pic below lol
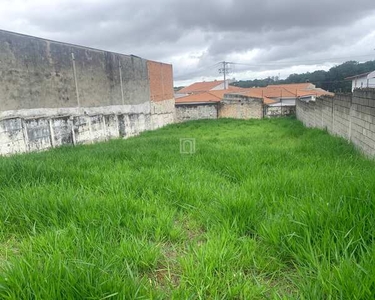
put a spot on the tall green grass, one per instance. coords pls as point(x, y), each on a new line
point(263, 209)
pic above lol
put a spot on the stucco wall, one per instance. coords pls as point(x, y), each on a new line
point(363, 82)
point(232, 106)
point(188, 112)
point(351, 116)
point(279, 111)
point(162, 113)
point(38, 73)
point(241, 107)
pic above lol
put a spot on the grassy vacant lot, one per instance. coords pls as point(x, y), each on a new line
point(264, 209)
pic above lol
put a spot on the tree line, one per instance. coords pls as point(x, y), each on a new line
point(332, 80)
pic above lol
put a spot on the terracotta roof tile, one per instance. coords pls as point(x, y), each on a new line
point(302, 89)
point(256, 93)
point(270, 94)
point(199, 98)
point(315, 92)
point(230, 89)
point(199, 87)
point(289, 90)
point(210, 96)
point(294, 86)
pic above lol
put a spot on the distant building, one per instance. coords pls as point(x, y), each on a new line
point(364, 80)
point(273, 95)
point(204, 99)
point(286, 94)
point(201, 100)
point(206, 96)
point(281, 99)
point(201, 87)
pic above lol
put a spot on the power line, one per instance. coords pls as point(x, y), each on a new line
point(225, 70)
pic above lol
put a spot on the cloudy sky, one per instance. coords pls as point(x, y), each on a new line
point(265, 37)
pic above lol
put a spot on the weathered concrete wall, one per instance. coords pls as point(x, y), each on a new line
point(232, 106)
point(52, 94)
point(241, 107)
point(61, 127)
point(162, 113)
point(12, 136)
point(187, 112)
point(351, 116)
point(279, 111)
point(37, 73)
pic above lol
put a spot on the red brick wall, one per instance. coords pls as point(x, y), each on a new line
point(161, 81)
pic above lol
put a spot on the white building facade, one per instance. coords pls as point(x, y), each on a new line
point(366, 80)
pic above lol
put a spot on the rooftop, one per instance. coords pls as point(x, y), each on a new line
point(208, 96)
point(204, 97)
point(270, 94)
point(200, 87)
point(360, 75)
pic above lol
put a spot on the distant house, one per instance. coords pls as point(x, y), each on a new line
point(206, 96)
point(364, 80)
point(286, 94)
point(203, 99)
point(201, 87)
point(274, 95)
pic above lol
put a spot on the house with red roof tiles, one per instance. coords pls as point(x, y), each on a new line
point(202, 97)
point(201, 87)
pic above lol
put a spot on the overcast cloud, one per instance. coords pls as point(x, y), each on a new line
point(270, 36)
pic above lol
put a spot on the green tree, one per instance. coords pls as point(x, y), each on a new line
point(332, 80)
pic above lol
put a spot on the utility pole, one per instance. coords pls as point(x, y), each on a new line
point(225, 70)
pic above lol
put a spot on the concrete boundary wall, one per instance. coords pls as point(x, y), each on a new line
point(198, 111)
point(351, 116)
point(38, 73)
point(53, 94)
point(162, 113)
point(232, 106)
point(26, 134)
point(241, 107)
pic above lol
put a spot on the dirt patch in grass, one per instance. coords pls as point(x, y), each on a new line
point(166, 276)
point(8, 249)
point(168, 273)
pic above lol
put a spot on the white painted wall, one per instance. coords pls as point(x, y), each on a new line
point(284, 102)
point(221, 86)
point(364, 81)
point(218, 87)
